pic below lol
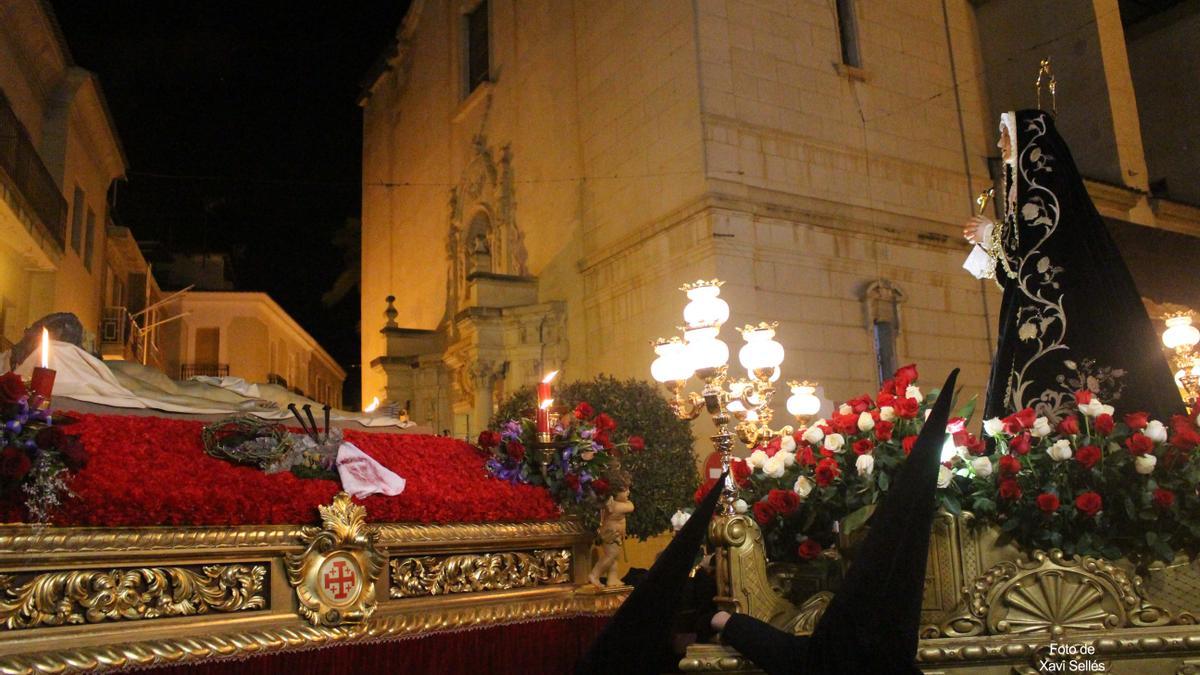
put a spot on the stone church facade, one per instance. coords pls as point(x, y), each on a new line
point(540, 176)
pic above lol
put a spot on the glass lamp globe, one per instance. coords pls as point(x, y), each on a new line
point(1180, 332)
point(706, 353)
point(761, 354)
point(706, 307)
point(803, 402)
point(672, 362)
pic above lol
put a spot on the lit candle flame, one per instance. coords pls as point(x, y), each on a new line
point(550, 377)
point(373, 405)
point(45, 348)
point(545, 405)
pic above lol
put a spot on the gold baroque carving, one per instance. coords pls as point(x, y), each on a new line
point(168, 651)
point(1052, 594)
point(94, 596)
point(470, 572)
point(810, 613)
point(335, 576)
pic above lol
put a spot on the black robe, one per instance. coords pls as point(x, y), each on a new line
point(1071, 318)
point(870, 626)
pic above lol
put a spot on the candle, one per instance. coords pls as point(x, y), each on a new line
point(544, 401)
point(42, 383)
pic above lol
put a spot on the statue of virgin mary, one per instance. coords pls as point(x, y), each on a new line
point(1071, 318)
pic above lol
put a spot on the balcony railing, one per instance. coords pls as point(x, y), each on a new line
point(189, 370)
point(23, 168)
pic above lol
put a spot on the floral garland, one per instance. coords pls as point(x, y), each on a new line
point(1089, 485)
point(37, 458)
point(576, 471)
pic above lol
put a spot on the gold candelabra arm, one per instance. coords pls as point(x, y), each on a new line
point(687, 407)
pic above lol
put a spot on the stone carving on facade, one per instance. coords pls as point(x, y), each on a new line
point(483, 223)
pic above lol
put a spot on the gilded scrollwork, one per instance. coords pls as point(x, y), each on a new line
point(95, 596)
point(471, 572)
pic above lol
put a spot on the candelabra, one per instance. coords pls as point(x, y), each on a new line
point(1182, 337)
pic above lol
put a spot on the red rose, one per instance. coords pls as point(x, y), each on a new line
point(637, 443)
point(741, 472)
point(809, 549)
point(1181, 423)
point(488, 439)
point(1019, 421)
point(907, 373)
point(1185, 439)
point(515, 450)
point(826, 472)
point(862, 446)
point(1021, 444)
point(847, 425)
point(966, 439)
point(584, 411)
point(1137, 421)
point(783, 501)
point(1087, 456)
point(600, 486)
point(763, 512)
point(1089, 503)
point(1163, 499)
point(704, 488)
point(1010, 490)
point(1069, 425)
point(773, 446)
point(603, 439)
point(1139, 444)
point(12, 388)
point(804, 455)
point(572, 481)
point(1009, 465)
point(1048, 502)
point(860, 404)
point(908, 443)
point(73, 454)
point(604, 423)
point(14, 464)
point(1104, 424)
point(883, 430)
point(907, 408)
point(1082, 397)
point(885, 399)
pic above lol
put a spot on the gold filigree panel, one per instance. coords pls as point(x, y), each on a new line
point(472, 572)
point(95, 596)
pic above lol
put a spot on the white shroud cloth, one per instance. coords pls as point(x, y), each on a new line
point(362, 476)
point(83, 377)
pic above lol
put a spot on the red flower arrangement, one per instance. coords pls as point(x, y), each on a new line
point(154, 471)
point(36, 457)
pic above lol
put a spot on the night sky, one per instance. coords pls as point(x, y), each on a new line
point(242, 132)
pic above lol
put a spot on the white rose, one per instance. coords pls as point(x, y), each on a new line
point(803, 486)
point(813, 434)
point(1041, 428)
point(913, 392)
point(865, 421)
point(865, 464)
point(740, 506)
point(944, 476)
point(1094, 408)
point(982, 466)
point(787, 443)
point(757, 459)
point(679, 519)
point(1060, 451)
point(1155, 431)
point(774, 466)
point(789, 458)
point(993, 427)
point(834, 442)
point(1144, 464)
point(845, 409)
point(887, 413)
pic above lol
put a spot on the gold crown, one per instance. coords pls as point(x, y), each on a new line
point(700, 283)
point(762, 325)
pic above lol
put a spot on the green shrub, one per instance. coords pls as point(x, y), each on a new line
point(664, 474)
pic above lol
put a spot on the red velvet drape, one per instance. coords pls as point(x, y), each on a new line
point(550, 646)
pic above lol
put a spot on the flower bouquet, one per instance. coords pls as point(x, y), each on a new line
point(36, 457)
point(575, 469)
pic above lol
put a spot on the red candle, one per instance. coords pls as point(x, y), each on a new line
point(42, 384)
point(543, 403)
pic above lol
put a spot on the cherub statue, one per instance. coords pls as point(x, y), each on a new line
point(611, 534)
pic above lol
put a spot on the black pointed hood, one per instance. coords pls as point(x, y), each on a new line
point(638, 638)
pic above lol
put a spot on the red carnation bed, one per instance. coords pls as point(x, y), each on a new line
point(153, 471)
